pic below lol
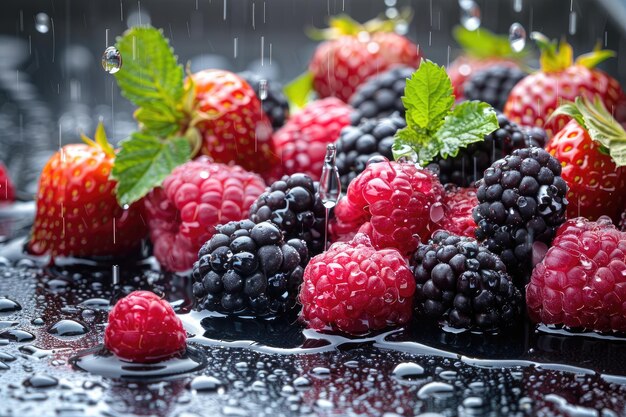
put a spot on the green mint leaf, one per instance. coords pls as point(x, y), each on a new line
point(482, 43)
point(299, 90)
point(156, 122)
point(469, 122)
point(412, 144)
point(143, 162)
point(427, 96)
point(151, 77)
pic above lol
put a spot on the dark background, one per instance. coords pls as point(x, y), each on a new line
point(52, 84)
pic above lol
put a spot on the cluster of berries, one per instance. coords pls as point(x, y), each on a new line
point(454, 242)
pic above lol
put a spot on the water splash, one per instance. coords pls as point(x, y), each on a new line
point(517, 37)
point(111, 60)
point(470, 14)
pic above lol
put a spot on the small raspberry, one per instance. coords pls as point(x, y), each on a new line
point(194, 198)
point(144, 328)
point(354, 288)
point(403, 204)
point(301, 143)
point(581, 282)
point(459, 203)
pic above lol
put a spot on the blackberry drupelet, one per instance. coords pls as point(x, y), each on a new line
point(470, 163)
point(294, 206)
point(247, 268)
point(274, 104)
point(381, 95)
point(357, 144)
point(521, 204)
point(493, 84)
point(462, 284)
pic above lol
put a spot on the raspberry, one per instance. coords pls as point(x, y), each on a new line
point(358, 144)
point(381, 95)
point(301, 143)
point(194, 198)
point(144, 328)
point(461, 283)
point(7, 191)
point(459, 203)
point(354, 288)
point(522, 203)
point(248, 268)
point(581, 282)
point(401, 202)
point(295, 207)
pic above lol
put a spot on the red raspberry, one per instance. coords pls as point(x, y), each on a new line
point(301, 143)
point(403, 204)
point(144, 328)
point(460, 203)
point(194, 198)
point(7, 191)
point(581, 282)
point(354, 288)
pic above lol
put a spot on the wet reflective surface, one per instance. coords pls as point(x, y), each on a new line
point(52, 361)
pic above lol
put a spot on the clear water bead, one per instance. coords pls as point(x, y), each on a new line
point(42, 22)
point(330, 186)
point(111, 60)
point(263, 89)
point(517, 6)
point(470, 14)
point(517, 37)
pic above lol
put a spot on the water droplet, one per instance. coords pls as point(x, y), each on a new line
point(41, 381)
point(68, 328)
point(408, 371)
point(42, 22)
point(470, 14)
point(435, 389)
point(37, 321)
point(205, 383)
point(572, 22)
point(96, 304)
point(17, 335)
point(5, 357)
point(321, 372)
point(330, 187)
point(111, 60)
point(9, 306)
point(323, 403)
point(517, 37)
point(436, 212)
point(448, 375)
point(301, 383)
point(263, 89)
point(522, 202)
point(517, 6)
point(34, 351)
point(5, 324)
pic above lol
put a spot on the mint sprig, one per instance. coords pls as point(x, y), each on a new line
point(144, 161)
point(433, 126)
point(482, 43)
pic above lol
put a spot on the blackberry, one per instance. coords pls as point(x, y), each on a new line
point(521, 204)
point(462, 284)
point(275, 105)
point(294, 206)
point(381, 95)
point(357, 144)
point(493, 85)
point(470, 163)
point(247, 268)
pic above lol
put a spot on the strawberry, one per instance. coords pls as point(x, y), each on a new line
point(7, 190)
point(354, 53)
point(594, 174)
point(234, 127)
point(481, 49)
point(77, 213)
point(301, 143)
point(532, 100)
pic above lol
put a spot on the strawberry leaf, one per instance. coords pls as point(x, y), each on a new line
point(151, 78)
point(299, 90)
point(427, 96)
point(469, 122)
point(144, 161)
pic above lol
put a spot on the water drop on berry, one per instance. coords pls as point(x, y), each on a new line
point(111, 60)
point(470, 14)
point(517, 37)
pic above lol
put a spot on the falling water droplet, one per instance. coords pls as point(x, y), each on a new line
point(517, 6)
point(263, 89)
point(330, 187)
point(115, 275)
point(111, 60)
point(517, 37)
point(42, 23)
point(572, 22)
point(470, 14)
